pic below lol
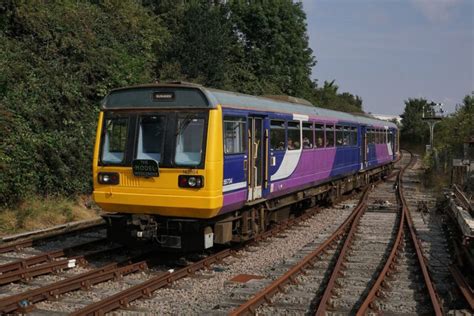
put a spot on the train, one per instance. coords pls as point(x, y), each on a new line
point(182, 167)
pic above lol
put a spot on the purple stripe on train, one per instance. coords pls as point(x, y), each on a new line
point(314, 166)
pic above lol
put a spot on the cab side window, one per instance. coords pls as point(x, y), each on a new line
point(234, 135)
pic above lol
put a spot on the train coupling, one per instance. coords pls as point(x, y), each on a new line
point(163, 233)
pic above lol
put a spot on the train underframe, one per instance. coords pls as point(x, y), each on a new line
point(192, 235)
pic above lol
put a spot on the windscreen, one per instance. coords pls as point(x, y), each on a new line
point(151, 137)
point(115, 140)
point(189, 141)
point(173, 139)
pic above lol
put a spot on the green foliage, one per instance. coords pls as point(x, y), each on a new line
point(275, 44)
point(201, 48)
point(39, 213)
point(456, 129)
point(414, 130)
point(329, 97)
point(258, 47)
point(58, 60)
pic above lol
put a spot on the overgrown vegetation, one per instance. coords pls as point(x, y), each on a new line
point(449, 136)
point(59, 59)
point(36, 213)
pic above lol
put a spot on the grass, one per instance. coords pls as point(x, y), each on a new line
point(36, 213)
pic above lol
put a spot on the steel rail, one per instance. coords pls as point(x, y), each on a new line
point(17, 242)
point(435, 301)
point(24, 302)
point(462, 199)
point(390, 262)
point(405, 221)
point(463, 285)
point(49, 267)
point(122, 299)
point(45, 257)
point(46, 268)
point(14, 246)
point(337, 269)
point(265, 294)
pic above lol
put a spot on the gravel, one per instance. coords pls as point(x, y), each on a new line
point(211, 291)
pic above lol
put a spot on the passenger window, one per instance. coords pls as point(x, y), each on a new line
point(277, 135)
point(115, 140)
point(293, 136)
point(189, 141)
point(339, 136)
point(329, 135)
point(234, 135)
point(319, 132)
point(151, 137)
point(308, 135)
point(347, 136)
point(354, 136)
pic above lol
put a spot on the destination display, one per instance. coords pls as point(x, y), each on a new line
point(145, 168)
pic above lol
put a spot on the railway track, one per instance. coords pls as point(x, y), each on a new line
point(139, 287)
point(43, 236)
point(374, 210)
point(374, 254)
point(27, 264)
point(125, 298)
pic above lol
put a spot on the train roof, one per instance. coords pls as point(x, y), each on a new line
point(187, 95)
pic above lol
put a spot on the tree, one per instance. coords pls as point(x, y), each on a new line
point(456, 129)
point(328, 97)
point(201, 48)
point(275, 44)
point(414, 129)
point(57, 61)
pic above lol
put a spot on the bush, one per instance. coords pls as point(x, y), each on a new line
point(57, 61)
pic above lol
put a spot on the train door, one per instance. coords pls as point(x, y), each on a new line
point(391, 142)
point(363, 147)
point(257, 157)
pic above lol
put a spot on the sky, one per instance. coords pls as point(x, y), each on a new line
point(387, 51)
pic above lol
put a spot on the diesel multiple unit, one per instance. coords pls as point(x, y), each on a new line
point(184, 167)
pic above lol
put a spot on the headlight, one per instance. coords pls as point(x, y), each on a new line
point(108, 178)
point(190, 181)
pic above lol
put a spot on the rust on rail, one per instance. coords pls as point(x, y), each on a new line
point(23, 302)
point(122, 299)
point(264, 295)
point(328, 291)
point(463, 285)
point(45, 257)
point(405, 221)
